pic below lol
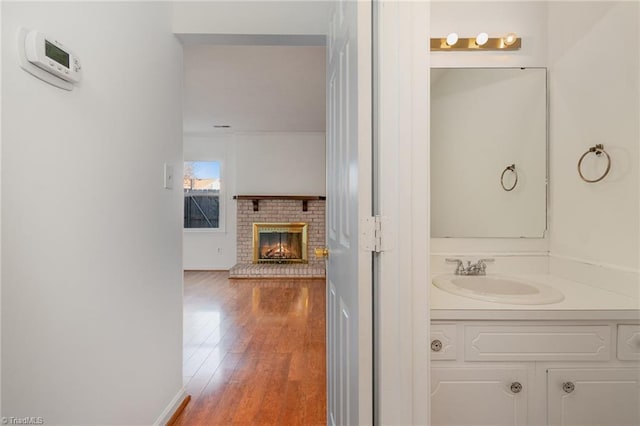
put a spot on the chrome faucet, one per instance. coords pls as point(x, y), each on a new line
point(478, 268)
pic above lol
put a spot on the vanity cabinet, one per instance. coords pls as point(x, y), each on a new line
point(535, 373)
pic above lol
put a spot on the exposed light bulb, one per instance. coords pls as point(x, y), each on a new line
point(509, 39)
point(452, 39)
point(482, 39)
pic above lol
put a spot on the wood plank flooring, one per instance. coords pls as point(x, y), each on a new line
point(254, 351)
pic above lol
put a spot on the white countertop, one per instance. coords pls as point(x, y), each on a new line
point(581, 302)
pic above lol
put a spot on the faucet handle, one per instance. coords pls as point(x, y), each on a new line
point(460, 270)
point(482, 265)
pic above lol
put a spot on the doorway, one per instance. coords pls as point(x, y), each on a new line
point(255, 346)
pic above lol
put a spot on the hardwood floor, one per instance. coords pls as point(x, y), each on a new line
point(254, 351)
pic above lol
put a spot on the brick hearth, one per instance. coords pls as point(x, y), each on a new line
point(279, 211)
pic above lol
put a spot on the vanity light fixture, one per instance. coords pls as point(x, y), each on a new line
point(509, 39)
point(481, 42)
point(452, 39)
point(482, 39)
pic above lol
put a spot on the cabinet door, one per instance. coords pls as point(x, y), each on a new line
point(588, 397)
point(478, 396)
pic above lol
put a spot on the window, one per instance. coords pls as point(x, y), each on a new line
point(202, 207)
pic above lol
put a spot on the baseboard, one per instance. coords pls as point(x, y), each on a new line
point(174, 409)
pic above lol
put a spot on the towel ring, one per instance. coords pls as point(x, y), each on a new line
point(598, 150)
point(511, 168)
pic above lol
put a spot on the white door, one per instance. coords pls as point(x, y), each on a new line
point(585, 397)
point(349, 187)
point(479, 396)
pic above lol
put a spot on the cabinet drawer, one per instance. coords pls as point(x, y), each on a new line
point(443, 342)
point(537, 343)
point(628, 342)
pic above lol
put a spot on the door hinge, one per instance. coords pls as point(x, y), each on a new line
point(372, 234)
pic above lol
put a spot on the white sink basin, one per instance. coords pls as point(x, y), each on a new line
point(498, 288)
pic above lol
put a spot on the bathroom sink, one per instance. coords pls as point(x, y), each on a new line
point(498, 288)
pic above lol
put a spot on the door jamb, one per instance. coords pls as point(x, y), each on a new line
point(402, 271)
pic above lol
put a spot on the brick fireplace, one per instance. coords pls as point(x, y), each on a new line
point(275, 212)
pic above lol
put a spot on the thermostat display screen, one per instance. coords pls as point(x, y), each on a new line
point(55, 53)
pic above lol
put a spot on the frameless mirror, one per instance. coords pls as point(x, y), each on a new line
point(488, 152)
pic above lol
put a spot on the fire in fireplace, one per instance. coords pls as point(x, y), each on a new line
point(280, 242)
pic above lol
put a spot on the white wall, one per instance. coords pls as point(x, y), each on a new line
point(254, 163)
point(251, 17)
point(594, 99)
point(281, 163)
point(528, 19)
point(91, 277)
point(254, 88)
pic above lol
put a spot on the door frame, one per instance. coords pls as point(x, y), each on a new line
point(401, 176)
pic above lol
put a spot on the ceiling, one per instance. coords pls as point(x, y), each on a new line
point(254, 88)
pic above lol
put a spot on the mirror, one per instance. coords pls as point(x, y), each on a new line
point(488, 152)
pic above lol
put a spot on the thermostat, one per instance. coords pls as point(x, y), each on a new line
point(52, 57)
point(48, 59)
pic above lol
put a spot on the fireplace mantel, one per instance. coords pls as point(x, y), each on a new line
point(255, 199)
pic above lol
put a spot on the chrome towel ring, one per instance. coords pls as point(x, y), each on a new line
point(511, 168)
point(598, 150)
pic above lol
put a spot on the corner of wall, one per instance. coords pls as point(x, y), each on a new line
point(594, 224)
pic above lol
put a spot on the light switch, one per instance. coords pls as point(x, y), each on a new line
point(168, 176)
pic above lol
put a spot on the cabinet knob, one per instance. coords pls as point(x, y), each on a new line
point(568, 387)
point(436, 345)
point(516, 387)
